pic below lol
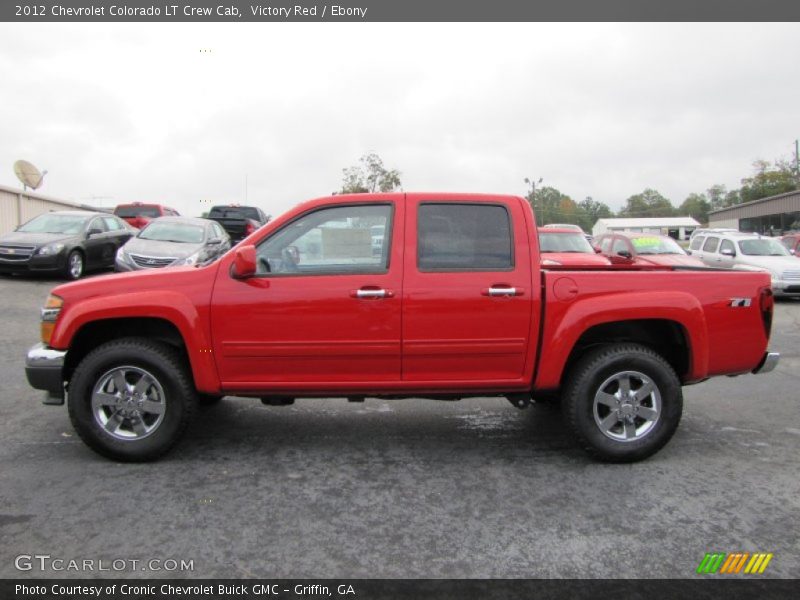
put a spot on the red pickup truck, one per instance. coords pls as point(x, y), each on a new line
point(453, 304)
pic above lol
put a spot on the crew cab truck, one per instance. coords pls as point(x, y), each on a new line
point(454, 304)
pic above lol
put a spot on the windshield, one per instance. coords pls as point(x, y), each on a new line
point(234, 212)
point(564, 242)
point(172, 232)
point(130, 212)
point(656, 245)
point(763, 247)
point(50, 223)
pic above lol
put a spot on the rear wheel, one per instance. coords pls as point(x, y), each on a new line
point(623, 402)
point(131, 399)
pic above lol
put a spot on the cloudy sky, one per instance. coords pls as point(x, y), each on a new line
point(188, 115)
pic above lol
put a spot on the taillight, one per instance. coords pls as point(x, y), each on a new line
point(249, 228)
point(767, 303)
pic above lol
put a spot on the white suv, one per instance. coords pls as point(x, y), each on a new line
point(750, 251)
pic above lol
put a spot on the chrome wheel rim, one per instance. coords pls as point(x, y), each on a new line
point(75, 265)
point(627, 406)
point(128, 403)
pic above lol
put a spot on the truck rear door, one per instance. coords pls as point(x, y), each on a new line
point(467, 290)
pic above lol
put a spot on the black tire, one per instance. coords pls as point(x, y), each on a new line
point(167, 390)
point(635, 428)
point(76, 265)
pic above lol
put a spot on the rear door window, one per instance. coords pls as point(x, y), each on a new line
point(711, 244)
point(727, 245)
point(464, 237)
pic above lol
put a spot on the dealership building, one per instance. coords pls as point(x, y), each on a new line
point(18, 206)
point(772, 215)
point(679, 228)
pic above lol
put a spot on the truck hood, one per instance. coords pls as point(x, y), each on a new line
point(158, 248)
point(169, 278)
point(576, 259)
point(671, 260)
point(775, 264)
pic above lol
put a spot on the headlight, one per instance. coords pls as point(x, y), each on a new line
point(121, 256)
point(50, 249)
point(190, 260)
point(50, 313)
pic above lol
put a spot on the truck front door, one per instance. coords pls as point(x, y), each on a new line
point(322, 311)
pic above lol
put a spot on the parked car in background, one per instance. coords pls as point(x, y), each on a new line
point(570, 226)
point(792, 243)
point(706, 231)
point(238, 221)
point(174, 241)
point(645, 249)
point(567, 247)
point(140, 214)
point(751, 251)
point(63, 242)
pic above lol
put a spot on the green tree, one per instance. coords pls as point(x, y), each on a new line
point(716, 196)
point(697, 207)
point(551, 206)
point(647, 204)
point(590, 210)
point(768, 180)
point(370, 176)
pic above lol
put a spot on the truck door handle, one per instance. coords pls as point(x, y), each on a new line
point(364, 293)
point(503, 291)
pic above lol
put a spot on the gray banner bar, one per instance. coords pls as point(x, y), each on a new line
point(397, 10)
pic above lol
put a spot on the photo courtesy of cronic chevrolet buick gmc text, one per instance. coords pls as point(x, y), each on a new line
point(453, 303)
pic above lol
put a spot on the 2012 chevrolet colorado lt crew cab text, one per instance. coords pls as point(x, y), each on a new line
point(454, 304)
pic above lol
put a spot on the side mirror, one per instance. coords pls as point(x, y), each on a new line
point(598, 250)
point(793, 251)
point(727, 252)
point(244, 262)
point(93, 232)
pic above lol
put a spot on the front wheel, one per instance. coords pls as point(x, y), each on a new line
point(131, 399)
point(623, 402)
point(75, 265)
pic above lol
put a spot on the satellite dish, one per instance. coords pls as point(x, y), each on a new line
point(28, 174)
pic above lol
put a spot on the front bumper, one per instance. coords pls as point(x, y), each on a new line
point(44, 367)
point(785, 288)
point(768, 363)
point(35, 264)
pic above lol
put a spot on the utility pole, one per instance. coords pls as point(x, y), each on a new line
point(797, 162)
point(532, 196)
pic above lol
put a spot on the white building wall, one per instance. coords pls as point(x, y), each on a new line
point(723, 223)
point(17, 207)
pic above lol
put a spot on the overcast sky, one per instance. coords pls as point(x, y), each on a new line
point(120, 113)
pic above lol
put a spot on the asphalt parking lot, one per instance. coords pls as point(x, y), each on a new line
point(407, 488)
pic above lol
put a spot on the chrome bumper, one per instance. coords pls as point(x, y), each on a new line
point(43, 368)
point(769, 362)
